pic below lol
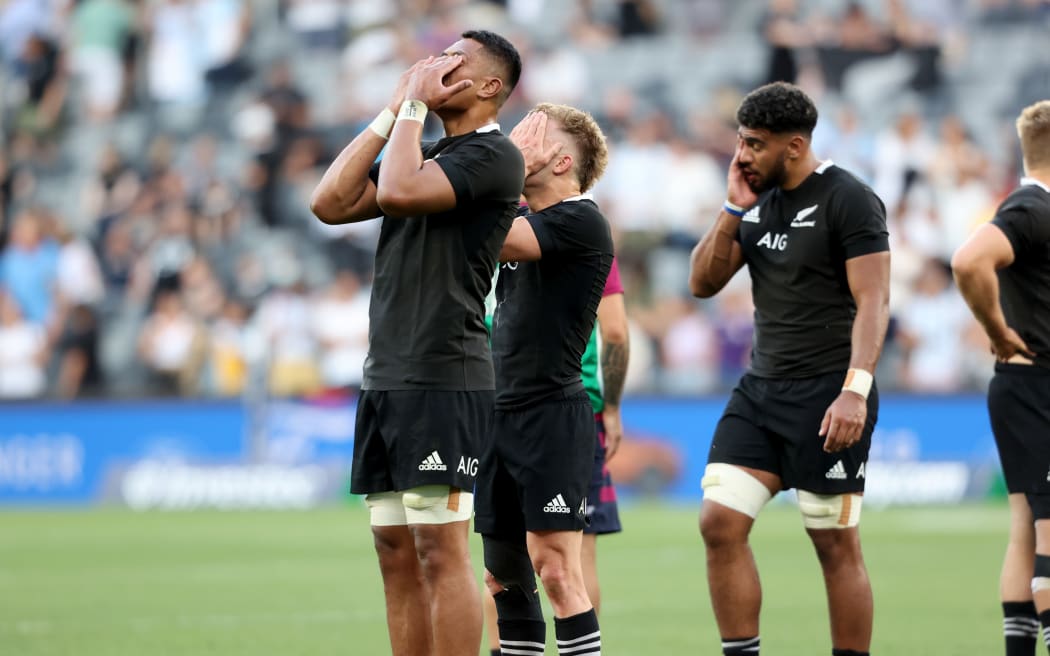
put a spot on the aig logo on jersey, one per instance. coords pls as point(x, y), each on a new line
point(774, 241)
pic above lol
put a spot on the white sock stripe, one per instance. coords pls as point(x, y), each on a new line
point(1022, 634)
point(739, 643)
point(1021, 623)
point(589, 636)
point(522, 643)
point(581, 649)
point(521, 652)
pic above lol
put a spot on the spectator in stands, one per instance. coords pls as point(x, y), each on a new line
point(100, 30)
point(226, 26)
point(28, 267)
point(901, 151)
point(637, 18)
point(786, 33)
point(79, 371)
point(846, 142)
point(109, 192)
point(234, 348)
point(41, 68)
point(340, 323)
point(172, 346)
point(176, 61)
point(689, 349)
point(930, 328)
point(283, 321)
point(318, 24)
point(23, 353)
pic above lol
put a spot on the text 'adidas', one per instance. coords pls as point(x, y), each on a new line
point(433, 462)
point(557, 505)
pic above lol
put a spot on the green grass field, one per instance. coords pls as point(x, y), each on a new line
point(116, 583)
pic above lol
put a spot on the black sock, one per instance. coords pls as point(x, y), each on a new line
point(1020, 627)
point(495, 652)
point(740, 646)
point(1044, 619)
point(523, 636)
point(578, 635)
point(849, 652)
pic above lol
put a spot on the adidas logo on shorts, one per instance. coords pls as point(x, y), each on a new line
point(557, 505)
point(837, 471)
point(433, 463)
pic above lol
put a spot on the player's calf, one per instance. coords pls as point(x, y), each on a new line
point(511, 580)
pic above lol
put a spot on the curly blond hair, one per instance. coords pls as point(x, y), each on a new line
point(1033, 128)
point(590, 141)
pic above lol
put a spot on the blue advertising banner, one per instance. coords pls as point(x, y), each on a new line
point(175, 454)
point(60, 453)
point(925, 448)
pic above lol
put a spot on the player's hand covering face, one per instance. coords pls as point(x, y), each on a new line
point(431, 81)
point(760, 159)
point(738, 189)
point(530, 136)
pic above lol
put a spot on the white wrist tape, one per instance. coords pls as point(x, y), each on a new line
point(859, 381)
point(413, 110)
point(383, 124)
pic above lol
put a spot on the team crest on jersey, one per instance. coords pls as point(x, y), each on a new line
point(751, 216)
point(799, 220)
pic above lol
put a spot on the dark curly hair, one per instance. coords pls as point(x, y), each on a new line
point(778, 107)
point(504, 53)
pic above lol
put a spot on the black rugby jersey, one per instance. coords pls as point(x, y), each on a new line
point(1024, 286)
point(545, 310)
point(427, 313)
point(796, 243)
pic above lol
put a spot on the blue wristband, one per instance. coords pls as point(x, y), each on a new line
point(735, 210)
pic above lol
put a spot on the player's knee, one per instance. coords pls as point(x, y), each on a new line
point(1041, 578)
point(507, 563)
point(518, 603)
point(437, 504)
point(395, 549)
point(511, 580)
point(492, 584)
point(717, 528)
point(734, 488)
point(554, 573)
point(829, 511)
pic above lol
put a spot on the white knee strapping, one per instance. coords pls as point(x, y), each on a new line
point(1039, 584)
point(829, 510)
point(428, 504)
point(437, 504)
point(734, 488)
point(386, 509)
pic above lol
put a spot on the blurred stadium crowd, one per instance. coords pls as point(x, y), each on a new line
point(157, 157)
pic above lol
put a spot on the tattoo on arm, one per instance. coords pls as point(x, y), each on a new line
point(614, 371)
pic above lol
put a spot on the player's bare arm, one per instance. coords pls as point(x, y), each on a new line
point(718, 257)
point(974, 267)
point(408, 185)
point(869, 283)
point(521, 244)
point(346, 194)
point(615, 352)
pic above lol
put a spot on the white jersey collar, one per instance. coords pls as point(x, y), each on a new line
point(824, 166)
point(586, 196)
point(488, 127)
point(1032, 182)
